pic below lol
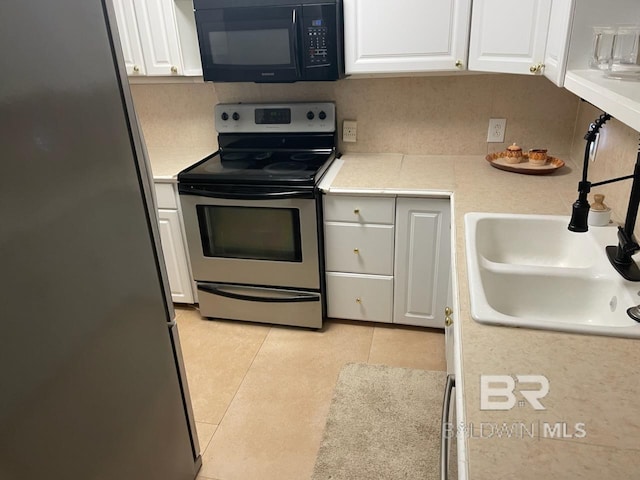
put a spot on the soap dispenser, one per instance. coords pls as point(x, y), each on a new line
point(599, 213)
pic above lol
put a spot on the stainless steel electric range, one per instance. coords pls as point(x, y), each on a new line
point(253, 213)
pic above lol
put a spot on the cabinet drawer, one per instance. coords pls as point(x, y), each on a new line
point(359, 248)
point(347, 208)
point(360, 297)
point(165, 195)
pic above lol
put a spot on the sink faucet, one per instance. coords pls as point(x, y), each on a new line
point(619, 255)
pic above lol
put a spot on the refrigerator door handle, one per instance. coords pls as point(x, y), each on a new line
point(224, 291)
point(444, 438)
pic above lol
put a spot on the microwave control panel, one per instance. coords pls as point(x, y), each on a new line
point(316, 43)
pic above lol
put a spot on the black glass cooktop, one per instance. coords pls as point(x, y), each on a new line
point(259, 167)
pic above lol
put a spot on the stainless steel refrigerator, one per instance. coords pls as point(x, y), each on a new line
point(92, 384)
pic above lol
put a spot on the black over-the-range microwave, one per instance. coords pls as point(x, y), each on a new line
point(270, 40)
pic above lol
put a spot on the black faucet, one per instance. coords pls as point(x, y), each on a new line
point(619, 255)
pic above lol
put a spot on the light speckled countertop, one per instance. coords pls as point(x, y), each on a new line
point(593, 380)
point(167, 162)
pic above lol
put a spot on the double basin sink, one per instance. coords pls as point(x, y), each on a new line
point(531, 271)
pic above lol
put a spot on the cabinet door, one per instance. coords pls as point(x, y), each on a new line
point(422, 261)
point(159, 37)
point(509, 36)
point(129, 37)
point(557, 50)
point(175, 256)
point(385, 36)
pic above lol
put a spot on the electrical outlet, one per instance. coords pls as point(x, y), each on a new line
point(497, 127)
point(349, 130)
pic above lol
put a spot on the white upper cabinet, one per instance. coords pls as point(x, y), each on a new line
point(158, 37)
point(129, 37)
point(396, 36)
point(509, 36)
point(555, 57)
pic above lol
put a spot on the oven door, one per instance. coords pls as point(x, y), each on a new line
point(266, 242)
point(249, 44)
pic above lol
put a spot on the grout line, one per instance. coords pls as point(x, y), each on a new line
point(209, 442)
point(241, 382)
point(373, 332)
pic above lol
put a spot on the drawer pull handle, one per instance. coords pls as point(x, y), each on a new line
point(356, 211)
point(358, 300)
point(356, 251)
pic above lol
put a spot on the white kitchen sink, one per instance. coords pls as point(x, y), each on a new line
point(531, 271)
point(531, 240)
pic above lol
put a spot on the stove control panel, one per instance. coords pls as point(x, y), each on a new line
point(267, 118)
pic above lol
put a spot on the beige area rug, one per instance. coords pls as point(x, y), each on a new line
point(383, 424)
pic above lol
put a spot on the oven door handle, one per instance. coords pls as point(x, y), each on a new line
point(249, 196)
point(298, 297)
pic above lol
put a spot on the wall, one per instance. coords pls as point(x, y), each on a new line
point(415, 115)
point(176, 115)
point(616, 157)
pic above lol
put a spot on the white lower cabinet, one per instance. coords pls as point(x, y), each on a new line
point(422, 263)
point(173, 246)
point(359, 248)
point(360, 297)
point(387, 258)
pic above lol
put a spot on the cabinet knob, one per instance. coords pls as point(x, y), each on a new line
point(358, 300)
point(448, 321)
point(447, 311)
point(356, 251)
point(459, 64)
point(136, 68)
point(536, 68)
point(356, 211)
point(174, 69)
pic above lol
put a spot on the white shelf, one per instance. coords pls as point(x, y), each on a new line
point(619, 98)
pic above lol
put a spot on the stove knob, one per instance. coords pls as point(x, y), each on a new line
point(224, 116)
point(235, 116)
point(322, 115)
point(310, 115)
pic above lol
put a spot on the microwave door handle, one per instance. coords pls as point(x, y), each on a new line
point(444, 433)
point(298, 297)
point(296, 48)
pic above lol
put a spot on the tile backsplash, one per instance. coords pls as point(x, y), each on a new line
point(412, 115)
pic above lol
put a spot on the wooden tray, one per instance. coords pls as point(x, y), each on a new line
point(497, 161)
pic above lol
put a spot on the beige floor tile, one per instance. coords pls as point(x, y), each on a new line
point(408, 347)
point(217, 355)
point(205, 433)
point(274, 425)
point(202, 477)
